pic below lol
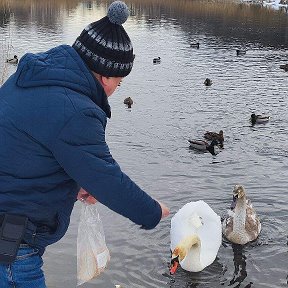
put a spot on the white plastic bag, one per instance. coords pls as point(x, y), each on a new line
point(92, 252)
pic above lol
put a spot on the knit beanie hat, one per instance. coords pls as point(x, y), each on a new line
point(105, 46)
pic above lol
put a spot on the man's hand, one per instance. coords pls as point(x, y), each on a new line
point(85, 197)
point(165, 210)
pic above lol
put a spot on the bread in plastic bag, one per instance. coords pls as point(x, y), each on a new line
point(92, 252)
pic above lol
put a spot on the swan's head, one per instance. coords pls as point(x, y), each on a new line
point(181, 250)
point(238, 193)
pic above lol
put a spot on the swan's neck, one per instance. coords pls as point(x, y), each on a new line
point(240, 214)
point(194, 249)
point(188, 244)
point(191, 260)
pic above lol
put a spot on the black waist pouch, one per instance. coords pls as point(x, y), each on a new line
point(12, 232)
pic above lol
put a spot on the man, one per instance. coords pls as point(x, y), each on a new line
point(53, 114)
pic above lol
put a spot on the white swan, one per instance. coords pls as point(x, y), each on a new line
point(242, 225)
point(195, 236)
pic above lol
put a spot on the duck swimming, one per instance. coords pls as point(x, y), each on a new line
point(128, 101)
point(208, 82)
point(195, 237)
point(195, 45)
point(13, 60)
point(204, 146)
point(156, 60)
point(240, 52)
point(284, 67)
point(215, 136)
point(259, 119)
point(242, 225)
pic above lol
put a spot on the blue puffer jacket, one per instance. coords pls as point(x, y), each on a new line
point(53, 114)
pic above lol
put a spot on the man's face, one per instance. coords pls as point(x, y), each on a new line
point(111, 83)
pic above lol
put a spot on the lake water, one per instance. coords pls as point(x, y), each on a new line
point(171, 105)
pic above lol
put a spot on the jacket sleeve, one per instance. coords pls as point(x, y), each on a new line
point(81, 150)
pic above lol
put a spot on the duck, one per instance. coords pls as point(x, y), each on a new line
point(13, 60)
point(241, 225)
point(284, 67)
point(208, 82)
point(128, 101)
point(196, 237)
point(204, 146)
point(259, 119)
point(156, 60)
point(195, 45)
point(240, 52)
point(215, 136)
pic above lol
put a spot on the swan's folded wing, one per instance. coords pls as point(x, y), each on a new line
point(252, 224)
point(227, 226)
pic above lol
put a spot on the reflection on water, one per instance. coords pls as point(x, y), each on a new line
point(171, 105)
point(231, 22)
point(239, 260)
point(223, 18)
point(43, 14)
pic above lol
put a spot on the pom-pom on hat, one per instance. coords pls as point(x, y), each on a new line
point(105, 46)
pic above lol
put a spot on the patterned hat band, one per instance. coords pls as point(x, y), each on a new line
point(101, 65)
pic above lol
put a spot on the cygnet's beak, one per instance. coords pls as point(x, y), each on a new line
point(174, 265)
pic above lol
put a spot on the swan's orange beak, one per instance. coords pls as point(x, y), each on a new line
point(174, 265)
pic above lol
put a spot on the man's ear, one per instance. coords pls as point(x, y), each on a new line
point(104, 80)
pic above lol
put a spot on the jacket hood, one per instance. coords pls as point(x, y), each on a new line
point(61, 66)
